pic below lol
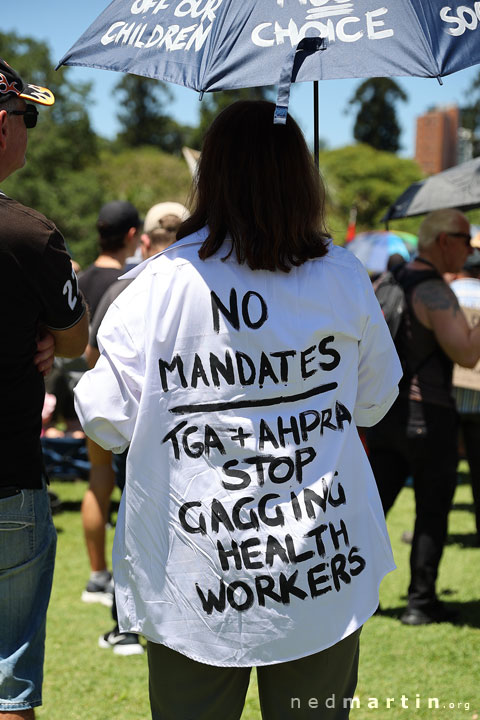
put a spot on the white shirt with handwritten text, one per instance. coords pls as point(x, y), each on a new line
point(250, 530)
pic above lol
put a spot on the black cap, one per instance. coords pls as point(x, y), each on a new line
point(117, 217)
point(11, 85)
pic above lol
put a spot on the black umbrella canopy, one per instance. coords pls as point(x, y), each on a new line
point(457, 187)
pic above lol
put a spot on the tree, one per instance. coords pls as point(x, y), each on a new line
point(142, 117)
point(59, 178)
point(471, 114)
point(369, 179)
point(376, 122)
point(144, 176)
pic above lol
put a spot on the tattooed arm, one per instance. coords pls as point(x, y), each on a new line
point(436, 307)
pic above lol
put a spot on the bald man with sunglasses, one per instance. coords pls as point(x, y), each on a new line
point(43, 314)
point(418, 436)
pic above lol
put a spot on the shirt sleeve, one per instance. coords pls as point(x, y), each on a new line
point(379, 369)
point(58, 286)
point(107, 398)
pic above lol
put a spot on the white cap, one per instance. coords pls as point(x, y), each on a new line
point(157, 212)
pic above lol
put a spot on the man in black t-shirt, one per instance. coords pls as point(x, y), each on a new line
point(118, 223)
point(43, 312)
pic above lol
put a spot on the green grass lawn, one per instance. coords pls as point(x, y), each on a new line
point(84, 682)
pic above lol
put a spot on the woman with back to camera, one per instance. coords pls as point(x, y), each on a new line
point(237, 366)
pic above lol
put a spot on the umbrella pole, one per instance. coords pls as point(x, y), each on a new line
point(316, 128)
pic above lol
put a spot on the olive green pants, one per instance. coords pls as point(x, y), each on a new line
point(312, 687)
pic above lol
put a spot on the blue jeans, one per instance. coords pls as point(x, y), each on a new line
point(27, 557)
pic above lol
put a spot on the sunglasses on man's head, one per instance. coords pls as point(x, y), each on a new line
point(30, 115)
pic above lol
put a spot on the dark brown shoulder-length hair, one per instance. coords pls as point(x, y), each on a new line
point(257, 182)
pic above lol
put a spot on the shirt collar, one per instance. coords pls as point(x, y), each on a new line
point(195, 239)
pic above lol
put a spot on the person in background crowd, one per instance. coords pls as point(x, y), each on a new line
point(42, 313)
point(395, 260)
point(236, 367)
point(466, 287)
point(419, 434)
point(159, 232)
point(117, 225)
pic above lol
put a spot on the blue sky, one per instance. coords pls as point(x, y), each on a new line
point(61, 22)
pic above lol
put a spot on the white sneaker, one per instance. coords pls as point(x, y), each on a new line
point(122, 643)
point(99, 592)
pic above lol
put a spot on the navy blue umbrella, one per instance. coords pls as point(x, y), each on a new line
point(212, 45)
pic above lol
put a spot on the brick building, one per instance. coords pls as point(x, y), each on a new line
point(437, 139)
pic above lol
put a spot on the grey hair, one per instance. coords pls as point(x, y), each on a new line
point(435, 223)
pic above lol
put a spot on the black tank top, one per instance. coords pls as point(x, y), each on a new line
point(427, 369)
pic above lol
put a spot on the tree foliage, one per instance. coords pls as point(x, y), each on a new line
point(59, 178)
point(367, 178)
point(144, 176)
point(143, 117)
point(471, 114)
point(376, 121)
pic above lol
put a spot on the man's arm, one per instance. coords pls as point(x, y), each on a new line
point(65, 315)
point(72, 342)
point(436, 306)
point(45, 354)
point(91, 355)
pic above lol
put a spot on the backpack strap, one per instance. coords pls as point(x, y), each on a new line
point(408, 281)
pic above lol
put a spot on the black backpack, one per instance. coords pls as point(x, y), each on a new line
point(391, 297)
point(390, 288)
